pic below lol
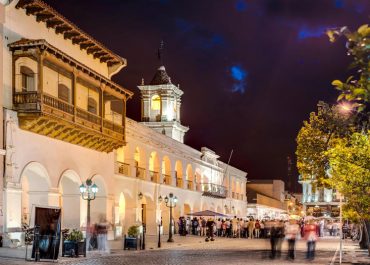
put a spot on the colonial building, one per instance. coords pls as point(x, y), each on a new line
point(65, 122)
point(318, 201)
point(266, 199)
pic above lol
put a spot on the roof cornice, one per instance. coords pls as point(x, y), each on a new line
point(43, 45)
point(61, 25)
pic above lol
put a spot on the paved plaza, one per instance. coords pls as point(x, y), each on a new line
point(193, 250)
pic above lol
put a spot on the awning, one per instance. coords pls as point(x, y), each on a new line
point(207, 213)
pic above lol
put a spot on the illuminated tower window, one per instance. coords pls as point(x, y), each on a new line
point(156, 102)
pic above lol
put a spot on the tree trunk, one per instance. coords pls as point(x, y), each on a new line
point(365, 235)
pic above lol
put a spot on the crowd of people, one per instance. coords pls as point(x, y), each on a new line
point(275, 230)
point(230, 227)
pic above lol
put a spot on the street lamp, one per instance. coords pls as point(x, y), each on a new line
point(160, 199)
point(140, 195)
point(88, 193)
point(170, 203)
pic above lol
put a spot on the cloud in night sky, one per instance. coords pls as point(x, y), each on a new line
point(311, 32)
point(357, 7)
point(198, 36)
point(239, 75)
point(241, 5)
point(339, 3)
point(184, 25)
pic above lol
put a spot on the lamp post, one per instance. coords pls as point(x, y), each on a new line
point(159, 224)
point(170, 203)
point(88, 193)
point(142, 221)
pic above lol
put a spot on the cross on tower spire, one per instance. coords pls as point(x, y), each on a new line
point(160, 53)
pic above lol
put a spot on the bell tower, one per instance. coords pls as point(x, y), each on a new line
point(160, 105)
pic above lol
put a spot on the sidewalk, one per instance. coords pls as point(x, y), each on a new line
point(151, 242)
point(352, 254)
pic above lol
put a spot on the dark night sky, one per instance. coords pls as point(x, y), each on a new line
point(251, 71)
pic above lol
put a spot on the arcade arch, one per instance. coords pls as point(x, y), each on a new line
point(166, 170)
point(35, 182)
point(70, 200)
point(178, 173)
point(154, 167)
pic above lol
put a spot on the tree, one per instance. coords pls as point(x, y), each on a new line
point(349, 162)
point(357, 87)
point(317, 136)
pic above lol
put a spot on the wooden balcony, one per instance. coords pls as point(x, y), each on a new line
point(214, 190)
point(190, 185)
point(123, 168)
point(179, 183)
point(44, 114)
point(166, 179)
point(154, 176)
point(140, 172)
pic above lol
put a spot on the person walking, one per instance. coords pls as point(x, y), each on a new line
point(291, 235)
point(274, 237)
point(311, 237)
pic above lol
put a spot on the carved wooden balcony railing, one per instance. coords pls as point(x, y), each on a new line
point(214, 190)
point(50, 116)
point(190, 185)
point(154, 176)
point(123, 168)
point(166, 179)
point(140, 172)
point(179, 182)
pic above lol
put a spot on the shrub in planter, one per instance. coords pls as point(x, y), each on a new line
point(130, 241)
point(73, 244)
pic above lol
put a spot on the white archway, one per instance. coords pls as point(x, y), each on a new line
point(99, 205)
point(35, 182)
point(70, 200)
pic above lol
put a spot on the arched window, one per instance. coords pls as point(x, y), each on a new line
point(156, 102)
point(92, 106)
point(28, 79)
point(63, 92)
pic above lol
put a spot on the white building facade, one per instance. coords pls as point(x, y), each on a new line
point(318, 201)
point(65, 122)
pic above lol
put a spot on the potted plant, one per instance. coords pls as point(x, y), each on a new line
point(130, 241)
point(73, 244)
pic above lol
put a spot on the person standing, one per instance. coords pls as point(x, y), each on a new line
point(257, 228)
point(251, 226)
point(321, 228)
point(330, 228)
point(210, 224)
point(219, 227)
point(234, 223)
point(203, 226)
point(228, 228)
point(262, 229)
point(246, 224)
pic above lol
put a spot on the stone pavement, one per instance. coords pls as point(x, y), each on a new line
point(194, 251)
point(352, 254)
